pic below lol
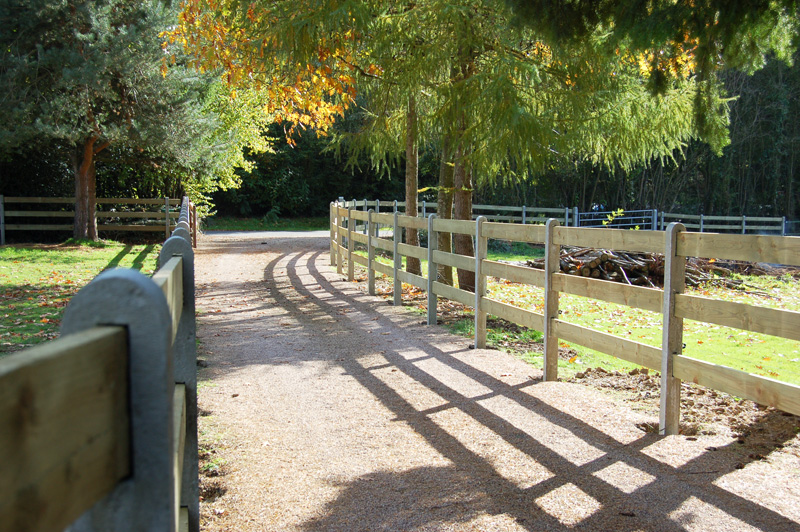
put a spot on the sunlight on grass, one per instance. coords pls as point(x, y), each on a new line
point(230, 223)
point(36, 282)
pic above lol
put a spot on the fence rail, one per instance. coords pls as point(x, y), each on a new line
point(98, 429)
point(675, 244)
point(120, 215)
point(648, 219)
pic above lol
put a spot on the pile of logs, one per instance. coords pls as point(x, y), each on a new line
point(643, 269)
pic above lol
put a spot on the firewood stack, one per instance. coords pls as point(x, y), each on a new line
point(642, 269)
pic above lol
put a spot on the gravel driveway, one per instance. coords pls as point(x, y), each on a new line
point(333, 411)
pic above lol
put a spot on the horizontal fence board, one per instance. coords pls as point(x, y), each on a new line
point(501, 217)
point(383, 268)
point(361, 238)
point(681, 216)
point(41, 227)
point(142, 201)
point(517, 233)
point(169, 278)
point(412, 222)
point(462, 262)
point(412, 251)
point(463, 227)
point(13, 199)
point(520, 316)
point(43, 214)
point(153, 215)
point(359, 215)
point(634, 352)
point(342, 230)
point(64, 428)
point(753, 248)
point(121, 227)
point(383, 219)
point(382, 243)
point(455, 294)
point(762, 390)
point(360, 259)
point(518, 274)
point(603, 238)
point(410, 278)
point(783, 323)
point(497, 208)
point(623, 294)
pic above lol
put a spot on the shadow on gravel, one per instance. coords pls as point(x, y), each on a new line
point(643, 493)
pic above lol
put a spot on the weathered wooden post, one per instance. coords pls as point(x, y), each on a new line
point(433, 270)
point(481, 245)
point(185, 368)
point(166, 218)
point(672, 337)
point(370, 253)
point(144, 501)
point(552, 253)
point(332, 230)
point(350, 243)
point(397, 263)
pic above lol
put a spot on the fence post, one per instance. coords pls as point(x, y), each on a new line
point(672, 337)
point(744, 224)
point(3, 222)
point(481, 244)
point(654, 225)
point(185, 371)
point(350, 223)
point(433, 271)
point(127, 298)
point(576, 220)
point(339, 240)
point(783, 219)
point(332, 221)
point(661, 224)
point(194, 225)
point(424, 215)
point(397, 287)
point(702, 223)
point(566, 216)
point(365, 210)
point(166, 215)
point(552, 253)
point(377, 211)
point(370, 253)
point(524, 215)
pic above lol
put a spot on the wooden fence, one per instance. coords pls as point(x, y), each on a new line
point(675, 243)
point(650, 219)
point(98, 429)
point(118, 214)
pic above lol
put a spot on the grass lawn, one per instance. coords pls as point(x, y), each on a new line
point(229, 223)
point(761, 354)
point(37, 281)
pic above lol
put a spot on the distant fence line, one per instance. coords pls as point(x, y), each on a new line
point(119, 211)
point(675, 243)
point(98, 428)
point(647, 219)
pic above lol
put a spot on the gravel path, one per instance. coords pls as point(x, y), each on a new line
point(333, 411)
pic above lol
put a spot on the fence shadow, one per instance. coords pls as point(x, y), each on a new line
point(551, 458)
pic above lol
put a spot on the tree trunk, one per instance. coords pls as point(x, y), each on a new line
point(412, 159)
point(85, 224)
point(91, 202)
point(462, 210)
point(445, 209)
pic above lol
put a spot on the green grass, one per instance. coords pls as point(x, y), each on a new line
point(228, 223)
point(760, 354)
point(36, 282)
